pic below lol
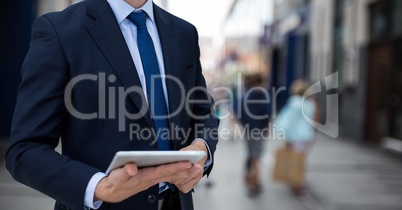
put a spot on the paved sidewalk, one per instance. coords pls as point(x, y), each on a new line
point(343, 176)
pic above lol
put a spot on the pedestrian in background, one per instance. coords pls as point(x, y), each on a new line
point(255, 112)
point(300, 134)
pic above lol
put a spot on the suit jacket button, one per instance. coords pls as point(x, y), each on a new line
point(151, 198)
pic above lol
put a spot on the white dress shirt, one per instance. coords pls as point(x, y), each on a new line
point(122, 9)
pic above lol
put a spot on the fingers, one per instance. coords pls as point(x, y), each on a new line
point(164, 173)
point(187, 186)
point(169, 169)
point(198, 145)
point(125, 173)
point(186, 182)
point(129, 180)
point(182, 177)
point(115, 187)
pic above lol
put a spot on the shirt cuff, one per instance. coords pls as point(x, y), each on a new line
point(90, 191)
point(209, 161)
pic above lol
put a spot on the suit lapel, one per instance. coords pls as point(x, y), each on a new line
point(107, 35)
point(170, 42)
point(106, 32)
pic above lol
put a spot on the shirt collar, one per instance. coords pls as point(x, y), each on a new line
point(122, 9)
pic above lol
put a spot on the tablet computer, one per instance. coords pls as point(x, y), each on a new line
point(153, 158)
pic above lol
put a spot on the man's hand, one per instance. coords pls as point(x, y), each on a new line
point(187, 179)
point(124, 182)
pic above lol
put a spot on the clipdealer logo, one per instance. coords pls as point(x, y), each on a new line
point(117, 94)
point(331, 125)
point(114, 95)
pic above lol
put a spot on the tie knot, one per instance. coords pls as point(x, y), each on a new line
point(138, 18)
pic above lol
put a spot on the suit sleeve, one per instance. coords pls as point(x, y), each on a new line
point(207, 123)
point(39, 120)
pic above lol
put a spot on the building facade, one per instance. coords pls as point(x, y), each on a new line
point(356, 40)
point(384, 74)
point(288, 40)
point(360, 39)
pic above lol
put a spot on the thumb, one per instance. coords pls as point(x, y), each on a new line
point(131, 169)
point(127, 171)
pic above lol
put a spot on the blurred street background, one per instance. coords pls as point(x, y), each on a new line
point(358, 42)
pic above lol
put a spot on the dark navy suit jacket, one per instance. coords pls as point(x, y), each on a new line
point(85, 39)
